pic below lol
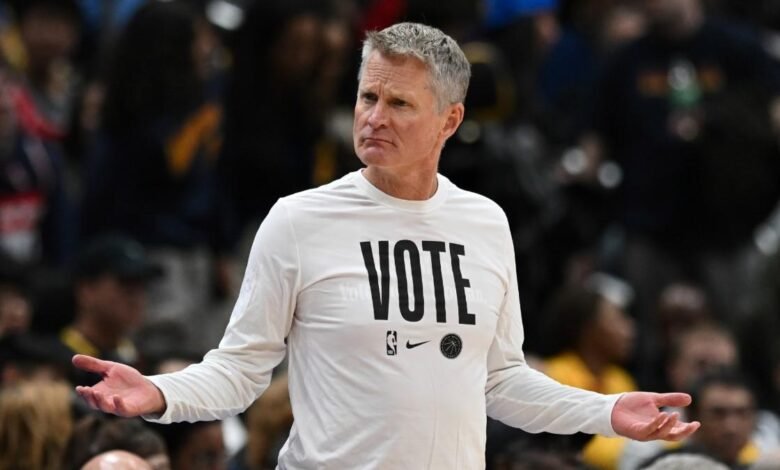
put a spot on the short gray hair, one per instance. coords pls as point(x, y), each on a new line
point(450, 70)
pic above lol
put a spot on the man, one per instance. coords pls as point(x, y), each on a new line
point(726, 406)
point(111, 275)
point(394, 294)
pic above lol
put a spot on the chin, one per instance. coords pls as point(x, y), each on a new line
point(373, 158)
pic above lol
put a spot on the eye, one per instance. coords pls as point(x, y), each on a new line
point(368, 97)
point(399, 103)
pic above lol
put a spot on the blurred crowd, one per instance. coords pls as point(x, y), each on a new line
point(633, 144)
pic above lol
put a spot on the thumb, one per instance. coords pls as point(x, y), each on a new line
point(90, 364)
point(672, 399)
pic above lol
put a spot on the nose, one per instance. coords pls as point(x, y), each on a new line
point(377, 116)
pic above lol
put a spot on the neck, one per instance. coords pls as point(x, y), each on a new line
point(102, 339)
point(418, 185)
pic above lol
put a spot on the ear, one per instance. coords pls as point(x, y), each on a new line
point(454, 116)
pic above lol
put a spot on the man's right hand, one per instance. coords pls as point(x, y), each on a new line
point(123, 391)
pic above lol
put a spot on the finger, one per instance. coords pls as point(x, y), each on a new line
point(86, 394)
point(90, 364)
point(666, 427)
point(646, 430)
point(105, 403)
point(120, 407)
point(672, 399)
point(683, 430)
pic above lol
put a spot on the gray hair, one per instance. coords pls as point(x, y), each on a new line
point(449, 69)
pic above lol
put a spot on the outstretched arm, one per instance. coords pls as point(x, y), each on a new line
point(232, 376)
point(123, 391)
point(636, 415)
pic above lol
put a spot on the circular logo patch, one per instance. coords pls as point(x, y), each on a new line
point(451, 345)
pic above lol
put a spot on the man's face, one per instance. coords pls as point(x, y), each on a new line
point(48, 36)
point(397, 125)
point(616, 330)
point(204, 450)
point(727, 416)
point(700, 354)
point(118, 304)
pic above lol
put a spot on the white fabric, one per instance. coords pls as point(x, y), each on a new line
point(355, 406)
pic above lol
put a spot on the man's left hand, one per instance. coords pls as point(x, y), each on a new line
point(636, 415)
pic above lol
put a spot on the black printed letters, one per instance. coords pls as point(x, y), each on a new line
point(407, 259)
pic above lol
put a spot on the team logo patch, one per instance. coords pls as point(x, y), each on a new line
point(451, 345)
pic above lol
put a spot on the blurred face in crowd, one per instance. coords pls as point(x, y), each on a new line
point(116, 304)
point(622, 24)
point(15, 312)
point(297, 49)
point(614, 331)
point(701, 352)
point(397, 125)
point(669, 14)
point(333, 58)
point(48, 36)
point(680, 307)
point(204, 450)
point(727, 416)
point(203, 47)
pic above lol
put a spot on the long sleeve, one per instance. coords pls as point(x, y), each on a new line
point(232, 376)
point(524, 398)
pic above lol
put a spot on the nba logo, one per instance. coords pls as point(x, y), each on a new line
point(392, 343)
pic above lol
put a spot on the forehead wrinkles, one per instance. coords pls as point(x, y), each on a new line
point(397, 74)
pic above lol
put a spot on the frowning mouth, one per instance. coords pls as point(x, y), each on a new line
point(369, 140)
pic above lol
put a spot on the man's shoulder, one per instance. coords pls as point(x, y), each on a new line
point(340, 189)
point(465, 200)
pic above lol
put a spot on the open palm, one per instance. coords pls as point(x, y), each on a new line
point(123, 391)
point(636, 415)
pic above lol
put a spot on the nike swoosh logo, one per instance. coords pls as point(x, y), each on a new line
point(414, 345)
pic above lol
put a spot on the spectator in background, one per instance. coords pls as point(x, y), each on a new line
point(273, 113)
point(193, 446)
point(36, 425)
point(703, 350)
point(726, 407)
point(590, 32)
point(117, 460)
point(95, 434)
point(523, 31)
point(32, 358)
point(680, 307)
point(591, 337)
point(15, 302)
point(683, 111)
point(50, 32)
point(36, 219)
point(111, 278)
point(152, 174)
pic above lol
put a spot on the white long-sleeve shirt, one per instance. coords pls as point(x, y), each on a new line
point(402, 324)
